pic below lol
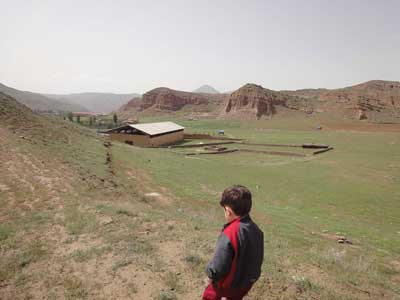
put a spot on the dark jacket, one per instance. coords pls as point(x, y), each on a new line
point(238, 256)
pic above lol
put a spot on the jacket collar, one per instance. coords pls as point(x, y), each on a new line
point(238, 219)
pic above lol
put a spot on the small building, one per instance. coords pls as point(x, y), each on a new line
point(148, 134)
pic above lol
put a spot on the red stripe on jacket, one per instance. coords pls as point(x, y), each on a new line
point(232, 232)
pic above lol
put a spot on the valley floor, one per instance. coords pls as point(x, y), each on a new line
point(85, 219)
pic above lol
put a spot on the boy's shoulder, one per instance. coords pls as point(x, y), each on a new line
point(244, 222)
point(248, 224)
point(231, 227)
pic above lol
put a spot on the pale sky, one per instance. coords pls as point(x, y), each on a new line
point(134, 46)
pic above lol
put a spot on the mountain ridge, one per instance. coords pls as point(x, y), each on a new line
point(97, 101)
point(376, 100)
point(37, 101)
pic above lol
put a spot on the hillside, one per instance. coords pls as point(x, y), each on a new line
point(254, 101)
point(376, 100)
point(168, 101)
point(130, 109)
point(96, 102)
point(39, 102)
point(206, 89)
point(75, 218)
point(83, 218)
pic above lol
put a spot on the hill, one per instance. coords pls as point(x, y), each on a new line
point(96, 102)
point(253, 100)
point(376, 100)
point(164, 100)
point(73, 213)
point(37, 101)
point(171, 100)
point(206, 89)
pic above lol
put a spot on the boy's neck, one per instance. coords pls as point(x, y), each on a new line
point(232, 218)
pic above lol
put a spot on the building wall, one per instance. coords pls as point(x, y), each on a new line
point(167, 139)
point(146, 141)
point(138, 140)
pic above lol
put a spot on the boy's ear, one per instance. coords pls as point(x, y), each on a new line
point(229, 210)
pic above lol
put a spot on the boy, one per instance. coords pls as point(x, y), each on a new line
point(239, 252)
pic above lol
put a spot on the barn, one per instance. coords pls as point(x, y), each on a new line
point(148, 134)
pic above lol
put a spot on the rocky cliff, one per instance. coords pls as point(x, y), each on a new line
point(372, 95)
point(373, 99)
point(257, 101)
point(171, 100)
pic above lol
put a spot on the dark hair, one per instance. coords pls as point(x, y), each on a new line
point(238, 198)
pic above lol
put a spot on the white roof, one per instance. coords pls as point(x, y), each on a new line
point(157, 128)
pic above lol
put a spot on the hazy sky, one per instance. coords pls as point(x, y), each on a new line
point(133, 46)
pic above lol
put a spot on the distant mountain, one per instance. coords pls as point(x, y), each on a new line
point(38, 101)
point(206, 89)
point(96, 102)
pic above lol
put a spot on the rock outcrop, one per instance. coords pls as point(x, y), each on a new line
point(171, 100)
point(377, 98)
point(376, 101)
point(370, 96)
point(257, 101)
point(165, 101)
point(361, 115)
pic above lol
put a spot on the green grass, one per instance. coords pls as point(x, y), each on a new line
point(166, 295)
point(5, 232)
point(353, 190)
point(78, 222)
point(74, 288)
point(93, 221)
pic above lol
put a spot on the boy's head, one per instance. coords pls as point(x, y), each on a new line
point(236, 201)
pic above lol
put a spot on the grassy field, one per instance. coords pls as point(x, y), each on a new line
point(83, 219)
point(302, 204)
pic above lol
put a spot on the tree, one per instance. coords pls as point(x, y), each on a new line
point(90, 121)
point(70, 116)
point(115, 118)
point(78, 119)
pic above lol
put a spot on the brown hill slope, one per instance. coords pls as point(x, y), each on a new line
point(376, 100)
point(74, 215)
point(255, 101)
point(171, 100)
point(165, 100)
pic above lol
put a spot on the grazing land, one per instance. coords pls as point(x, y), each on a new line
point(305, 205)
point(82, 218)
